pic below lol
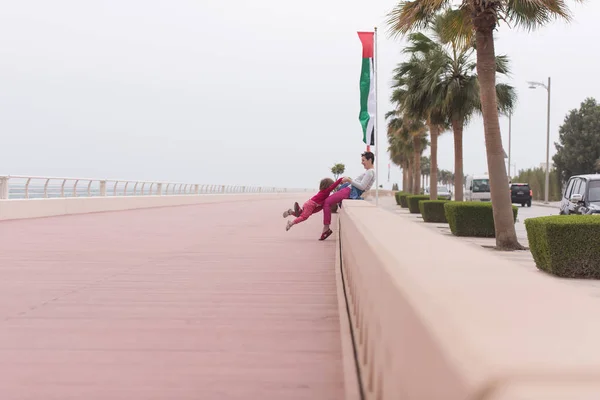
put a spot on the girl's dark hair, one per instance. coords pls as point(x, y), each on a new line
point(325, 183)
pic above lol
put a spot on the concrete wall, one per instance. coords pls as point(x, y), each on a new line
point(437, 318)
point(35, 208)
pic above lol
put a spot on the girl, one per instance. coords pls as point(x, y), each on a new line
point(312, 206)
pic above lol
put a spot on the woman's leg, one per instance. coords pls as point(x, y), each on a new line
point(334, 198)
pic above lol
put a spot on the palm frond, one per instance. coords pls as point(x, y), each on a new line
point(391, 114)
point(456, 25)
point(502, 64)
point(531, 14)
point(413, 15)
point(507, 98)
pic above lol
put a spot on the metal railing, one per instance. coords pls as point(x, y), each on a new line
point(44, 187)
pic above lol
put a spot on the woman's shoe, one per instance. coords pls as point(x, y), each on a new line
point(326, 234)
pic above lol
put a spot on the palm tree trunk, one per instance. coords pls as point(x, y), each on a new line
point(457, 129)
point(409, 177)
point(506, 236)
point(417, 165)
point(433, 167)
point(403, 187)
point(405, 175)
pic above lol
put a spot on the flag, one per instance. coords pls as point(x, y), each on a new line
point(367, 88)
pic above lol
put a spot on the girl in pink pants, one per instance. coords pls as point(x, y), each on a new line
point(315, 204)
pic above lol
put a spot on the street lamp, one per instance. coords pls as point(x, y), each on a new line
point(533, 85)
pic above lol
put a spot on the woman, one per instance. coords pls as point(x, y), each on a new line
point(351, 189)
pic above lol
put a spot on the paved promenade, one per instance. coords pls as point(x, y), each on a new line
point(213, 301)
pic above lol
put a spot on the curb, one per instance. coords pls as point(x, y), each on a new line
point(541, 204)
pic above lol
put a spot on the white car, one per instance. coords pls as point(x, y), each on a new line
point(477, 188)
point(442, 192)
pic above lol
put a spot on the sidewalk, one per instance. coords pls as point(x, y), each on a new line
point(523, 257)
point(212, 301)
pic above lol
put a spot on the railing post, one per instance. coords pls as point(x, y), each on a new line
point(3, 187)
point(197, 189)
point(102, 188)
point(223, 189)
point(159, 189)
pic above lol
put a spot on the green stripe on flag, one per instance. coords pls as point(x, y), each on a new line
point(365, 87)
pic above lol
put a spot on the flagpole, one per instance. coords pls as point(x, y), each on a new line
point(375, 124)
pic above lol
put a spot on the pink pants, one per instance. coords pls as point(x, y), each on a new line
point(334, 199)
point(308, 208)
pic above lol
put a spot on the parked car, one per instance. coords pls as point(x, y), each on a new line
point(442, 192)
point(477, 188)
point(581, 195)
point(521, 193)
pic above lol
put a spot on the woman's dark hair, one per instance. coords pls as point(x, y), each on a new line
point(369, 156)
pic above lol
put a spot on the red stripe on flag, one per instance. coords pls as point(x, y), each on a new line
point(367, 43)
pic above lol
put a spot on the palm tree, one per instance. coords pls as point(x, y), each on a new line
point(407, 139)
point(478, 19)
point(419, 101)
point(425, 170)
point(398, 149)
point(452, 84)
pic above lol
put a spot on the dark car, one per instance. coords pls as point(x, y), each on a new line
point(581, 195)
point(521, 193)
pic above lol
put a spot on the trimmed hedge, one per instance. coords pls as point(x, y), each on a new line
point(472, 218)
point(403, 200)
point(433, 210)
point(566, 245)
point(413, 203)
point(397, 195)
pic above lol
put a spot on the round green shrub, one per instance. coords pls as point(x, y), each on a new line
point(566, 245)
point(403, 200)
point(397, 196)
point(472, 218)
point(433, 210)
point(413, 203)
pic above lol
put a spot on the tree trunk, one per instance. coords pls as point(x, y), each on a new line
point(417, 165)
point(409, 177)
point(506, 236)
point(433, 178)
point(405, 175)
point(457, 129)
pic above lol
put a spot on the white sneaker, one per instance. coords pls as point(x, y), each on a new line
point(287, 213)
point(289, 225)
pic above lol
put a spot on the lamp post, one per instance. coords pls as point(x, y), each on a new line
point(509, 138)
point(533, 85)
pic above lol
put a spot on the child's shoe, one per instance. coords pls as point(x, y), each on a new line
point(297, 210)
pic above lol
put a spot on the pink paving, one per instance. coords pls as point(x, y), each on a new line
point(213, 301)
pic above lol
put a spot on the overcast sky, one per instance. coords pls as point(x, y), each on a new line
point(250, 92)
